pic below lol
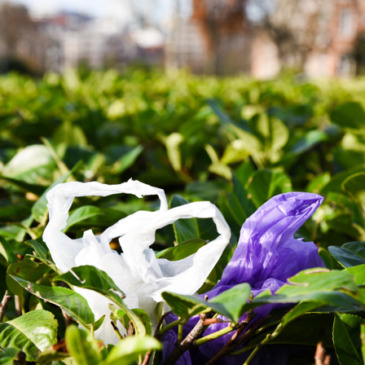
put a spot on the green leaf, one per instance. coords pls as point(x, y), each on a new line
point(33, 188)
point(7, 251)
point(362, 336)
point(32, 333)
point(50, 356)
point(228, 304)
point(267, 183)
point(39, 247)
point(14, 212)
point(239, 202)
point(25, 269)
point(354, 184)
point(128, 350)
point(308, 141)
point(244, 171)
point(96, 325)
point(81, 214)
point(172, 143)
point(306, 330)
point(39, 209)
point(74, 304)
point(346, 330)
point(327, 258)
point(82, 347)
point(299, 310)
point(145, 319)
point(89, 277)
point(119, 315)
point(30, 164)
point(349, 115)
point(316, 185)
point(349, 254)
point(127, 160)
point(69, 133)
point(335, 184)
point(182, 250)
point(8, 355)
point(233, 300)
point(358, 272)
point(185, 229)
point(271, 131)
point(322, 286)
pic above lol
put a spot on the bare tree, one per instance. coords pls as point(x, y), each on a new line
point(219, 18)
point(294, 26)
point(19, 35)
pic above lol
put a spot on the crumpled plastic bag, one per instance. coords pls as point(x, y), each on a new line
point(136, 271)
point(267, 255)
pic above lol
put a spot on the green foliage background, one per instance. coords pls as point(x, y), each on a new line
point(233, 141)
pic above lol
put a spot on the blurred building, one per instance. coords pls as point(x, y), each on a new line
point(68, 39)
point(215, 39)
point(21, 42)
point(323, 38)
point(74, 39)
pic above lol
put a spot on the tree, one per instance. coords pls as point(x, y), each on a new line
point(20, 39)
point(294, 26)
point(219, 18)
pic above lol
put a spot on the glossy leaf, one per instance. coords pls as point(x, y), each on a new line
point(71, 302)
point(182, 250)
point(8, 355)
point(349, 115)
point(128, 350)
point(185, 229)
point(349, 254)
point(266, 183)
point(89, 277)
point(228, 304)
point(346, 339)
point(82, 347)
point(39, 208)
point(6, 251)
point(32, 333)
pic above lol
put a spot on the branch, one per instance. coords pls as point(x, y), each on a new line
point(147, 358)
point(130, 331)
point(157, 332)
point(4, 305)
point(236, 340)
point(116, 330)
point(180, 348)
point(320, 356)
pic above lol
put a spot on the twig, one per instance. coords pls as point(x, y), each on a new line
point(18, 307)
point(157, 332)
point(116, 330)
point(130, 331)
point(256, 349)
point(180, 348)
point(210, 321)
point(67, 318)
point(236, 340)
point(178, 322)
point(4, 305)
point(147, 358)
point(320, 356)
point(268, 337)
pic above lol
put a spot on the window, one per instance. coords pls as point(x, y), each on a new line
point(346, 23)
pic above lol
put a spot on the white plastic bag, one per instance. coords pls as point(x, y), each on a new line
point(137, 271)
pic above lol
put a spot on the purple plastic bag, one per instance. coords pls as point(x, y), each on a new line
point(267, 255)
